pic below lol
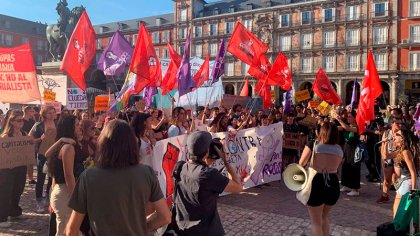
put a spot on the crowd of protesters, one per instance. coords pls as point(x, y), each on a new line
point(69, 143)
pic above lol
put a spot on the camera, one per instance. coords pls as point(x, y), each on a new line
point(213, 153)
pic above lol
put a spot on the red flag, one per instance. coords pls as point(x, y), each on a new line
point(280, 73)
point(371, 89)
point(265, 93)
point(246, 46)
point(169, 81)
point(245, 92)
point(145, 64)
point(202, 74)
point(260, 70)
point(80, 51)
point(323, 88)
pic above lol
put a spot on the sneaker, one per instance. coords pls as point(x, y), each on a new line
point(383, 199)
point(353, 193)
point(45, 202)
point(5, 225)
point(344, 189)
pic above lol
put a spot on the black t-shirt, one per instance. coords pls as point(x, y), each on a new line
point(196, 200)
point(27, 125)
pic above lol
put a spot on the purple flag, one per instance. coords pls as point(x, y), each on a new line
point(148, 95)
point(287, 98)
point(185, 81)
point(219, 63)
point(417, 113)
point(116, 56)
point(354, 94)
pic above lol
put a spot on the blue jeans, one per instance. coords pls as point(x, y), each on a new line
point(40, 178)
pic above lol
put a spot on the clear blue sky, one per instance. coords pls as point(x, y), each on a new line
point(100, 11)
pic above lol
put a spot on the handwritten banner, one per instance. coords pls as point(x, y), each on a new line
point(49, 95)
point(294, 140)
point(302, 95)
point(76, 99)
point(101, 102)
point(18, 82)
point(324, 108)
point(17, 151)
point(254, 153)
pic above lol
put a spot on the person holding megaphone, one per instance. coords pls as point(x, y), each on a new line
point(325, 191)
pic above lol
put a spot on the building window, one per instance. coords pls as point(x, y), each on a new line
point(157, 51)
point(155, 37)
point(415, 33)
point(229, 68)
point(135, 36)
point(231, 9)
point(166, 53)
point(244, 68)
point(285, 43)
point(181, 50)
point(158, 21)
point(213, 49)
point(25, 40)
point(213, 29)
point(216, 11)
point(198, 31)
point(381, 61)
point(380, 35)
point(128, 38)
point(353, 62)
point(9, 40)
point(166, 37)
point(352, 37)
point(198, 50)
point(329, 39)
point(284, 21)
point(328, 63)
point(306, 40)
point(182, 33)
point(98, 44)
point(381, 9)
point(414, 8)
point(229, 26)
point(329, 15)
point(305, 18)
point(353, 12)
point(306, 64)
point(249, 6)
point(415, 61)
point(183, 14)
point(7, 24)
point(248, 24)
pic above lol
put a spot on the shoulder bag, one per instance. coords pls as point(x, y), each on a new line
point(305, 193)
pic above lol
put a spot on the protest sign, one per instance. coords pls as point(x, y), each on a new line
point(54, 83)
point(101, 102)
point(16, 151)
point(18, 82)
point(313, 104)
point(273, 95)
point(254, 153)
point(302, 95)
point(76, 99)
point(293, 140)
point(56, 105)
point(324, 108)
point(49, 95)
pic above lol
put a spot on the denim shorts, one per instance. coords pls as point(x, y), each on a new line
point(405, 186)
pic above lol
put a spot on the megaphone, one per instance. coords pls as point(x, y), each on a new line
point(295, 177)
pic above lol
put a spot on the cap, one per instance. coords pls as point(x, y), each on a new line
point(199, 143)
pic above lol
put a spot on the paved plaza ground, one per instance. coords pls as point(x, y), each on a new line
point(269, 210)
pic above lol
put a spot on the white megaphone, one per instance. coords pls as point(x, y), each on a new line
point(295, 177)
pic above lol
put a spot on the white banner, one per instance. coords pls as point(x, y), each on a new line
point(76, 99)
point(254, 153)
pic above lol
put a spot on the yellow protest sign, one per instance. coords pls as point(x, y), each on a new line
point(273, 95)
point(302, 95)
point(313, 104)
point(101, 103)
point(49, 95)
point(324, 108)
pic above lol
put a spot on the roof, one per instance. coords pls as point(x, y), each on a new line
point(127, 25)
point(21, 26)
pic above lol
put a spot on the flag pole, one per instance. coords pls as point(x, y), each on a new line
point(255, 100)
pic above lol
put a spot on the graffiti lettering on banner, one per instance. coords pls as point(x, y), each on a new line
point(254, 153)
point(324, 108)
point(56, 105)
point(313, 104)
point(16, 151)
point(76, 99)
point(101, 103)
point(49, 95)
point(294, 140)
point(302, 95)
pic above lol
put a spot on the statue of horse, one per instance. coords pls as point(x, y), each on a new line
point(58, 34)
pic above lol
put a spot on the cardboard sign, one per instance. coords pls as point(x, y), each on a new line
point(56, 105)
point(76, 99)
point(313, 104)
point(302, 95)
point(294, 140)
point(16, 151)
point(49, 95)
point(101, 103)
point(309, 121)
point(324, 108)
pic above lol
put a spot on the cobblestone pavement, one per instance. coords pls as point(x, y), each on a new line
point(269, 210)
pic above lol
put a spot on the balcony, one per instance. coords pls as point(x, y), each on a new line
point(353, 18)
point(412, 68)
point(413, 41)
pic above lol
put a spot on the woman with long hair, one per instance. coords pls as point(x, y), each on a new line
point(220, 123)
point(12, 181)
point(118, 186)
point(179, 117)
point(142, 126)
point(65, 166)
point(88, 142)
point(159, 124)
point(325, 190)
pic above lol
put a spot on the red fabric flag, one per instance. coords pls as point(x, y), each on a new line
point(371, 89)
point(80, 51)
point(202, 74)
point(265, 93)
point(246, 46)
point(245, 92)
point(145, 64)
point(323, 88)
point(280, 73)
point(169, 81)
point(260, 71)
